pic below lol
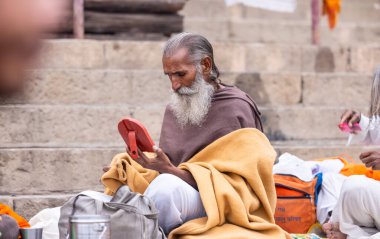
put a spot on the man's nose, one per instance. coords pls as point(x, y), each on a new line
point(176, 85)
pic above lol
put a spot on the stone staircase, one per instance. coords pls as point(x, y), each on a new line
point(358, 23)
point(56, 136)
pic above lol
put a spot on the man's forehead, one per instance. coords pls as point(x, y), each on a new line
point(180, 55)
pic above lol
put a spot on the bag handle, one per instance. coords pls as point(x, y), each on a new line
point(98, 209)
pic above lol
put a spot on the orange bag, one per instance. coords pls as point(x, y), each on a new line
point(296, 202)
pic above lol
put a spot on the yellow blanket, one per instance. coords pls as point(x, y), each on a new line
point(234, 178)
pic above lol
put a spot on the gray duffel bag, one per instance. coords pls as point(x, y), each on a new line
point(132, 215)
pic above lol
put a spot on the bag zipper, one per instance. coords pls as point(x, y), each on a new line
point(306, 196)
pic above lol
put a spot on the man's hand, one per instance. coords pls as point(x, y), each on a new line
point(371, 159)
point(106, 168)
point(161, 163)
point(350, 117)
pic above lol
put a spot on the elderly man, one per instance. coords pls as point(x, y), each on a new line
point(202, 110)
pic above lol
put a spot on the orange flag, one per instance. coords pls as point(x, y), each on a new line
point(331, 8)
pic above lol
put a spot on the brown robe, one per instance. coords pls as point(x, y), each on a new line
point(231, 109)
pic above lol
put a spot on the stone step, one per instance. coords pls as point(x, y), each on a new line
point(31, 171)
point(38, 171)
point(29, 205)
point(288, 32)
point(352, 11)
point(141, 87)
point(96, 125)
point(230, 57)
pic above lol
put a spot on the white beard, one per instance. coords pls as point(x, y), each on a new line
point(190, 105)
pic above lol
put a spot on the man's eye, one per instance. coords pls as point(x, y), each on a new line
point(181, 74)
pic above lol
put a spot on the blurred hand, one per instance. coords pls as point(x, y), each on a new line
point(371, 159)
point(22, 25)
point(350, 117)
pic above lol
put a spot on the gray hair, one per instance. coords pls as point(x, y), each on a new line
point(375, 95)
point(198, 46)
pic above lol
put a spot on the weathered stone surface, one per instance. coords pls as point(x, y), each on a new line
point(213, 29)
point(344, 90)
point(71, 126)
point(210, 8)
point(60, 125)
point(302, 123)
point(281, 32)
point(284, 32)
point(83, 54)
point(94, 87)
point(230, 57)
point(273, 58)
point(134, 55)
point(152, 117)
point(268, 89)
point(351, 34)
point(365, 59)
point(325, 59)
point(7, 200)
point(56, 170)
point(29, 206)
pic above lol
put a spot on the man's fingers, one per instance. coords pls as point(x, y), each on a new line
point(355, 118)
point(142, 156)
point(106, 169)
point(160, 153)
point(368, 159)
point(346, 116)
point(365, 154)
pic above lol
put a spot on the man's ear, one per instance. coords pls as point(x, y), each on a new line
point(206, 65)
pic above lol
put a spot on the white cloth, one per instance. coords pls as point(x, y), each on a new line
point(48, 220)
point(176, 201)
point(370, 133)
point(305, 170)
point(273, 5)
point(329, 195)
point(358, 208)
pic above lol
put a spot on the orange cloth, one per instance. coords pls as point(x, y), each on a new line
point(22, 223)
point(360, 169)
point(350, 169)
point(331, 8)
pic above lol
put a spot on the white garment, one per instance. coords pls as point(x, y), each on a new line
point(329, 195)
point(305, 170)
point(370, 133)
point(176, 201)
point(358, 208)
point(48, 220)
point(273, 5)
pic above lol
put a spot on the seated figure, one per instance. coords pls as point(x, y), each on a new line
point(356, 214)
point(203, 111)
